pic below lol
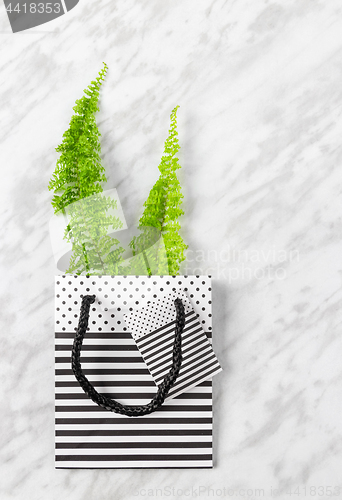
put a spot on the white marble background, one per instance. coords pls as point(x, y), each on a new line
point(259, 84)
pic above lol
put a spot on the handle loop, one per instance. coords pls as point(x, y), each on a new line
point(111, 404)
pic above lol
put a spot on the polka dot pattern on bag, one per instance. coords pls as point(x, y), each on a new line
point(156, 314)
point(119, 295)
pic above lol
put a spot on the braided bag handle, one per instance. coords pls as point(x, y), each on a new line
point(111, 404)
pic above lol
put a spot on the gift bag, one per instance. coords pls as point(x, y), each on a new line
point(126, 352)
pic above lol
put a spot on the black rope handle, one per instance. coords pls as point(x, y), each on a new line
point(111, 404)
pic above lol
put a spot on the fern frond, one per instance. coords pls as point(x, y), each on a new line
point(94, 251)
point(163, 205)
point(79, 172)
point(76, 183)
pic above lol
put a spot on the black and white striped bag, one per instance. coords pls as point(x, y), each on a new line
point(126, 353)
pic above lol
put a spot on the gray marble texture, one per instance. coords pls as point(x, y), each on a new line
point(259, 84)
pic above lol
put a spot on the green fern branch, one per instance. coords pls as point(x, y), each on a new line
point(79, 172)
point(94, 251)
point(76, 183)
point(163, 206)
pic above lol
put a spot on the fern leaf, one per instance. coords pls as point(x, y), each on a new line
point(163, 206)
point(76, 183)
point(79, 172)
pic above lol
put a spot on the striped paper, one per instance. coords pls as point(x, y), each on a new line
point(154, 334)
